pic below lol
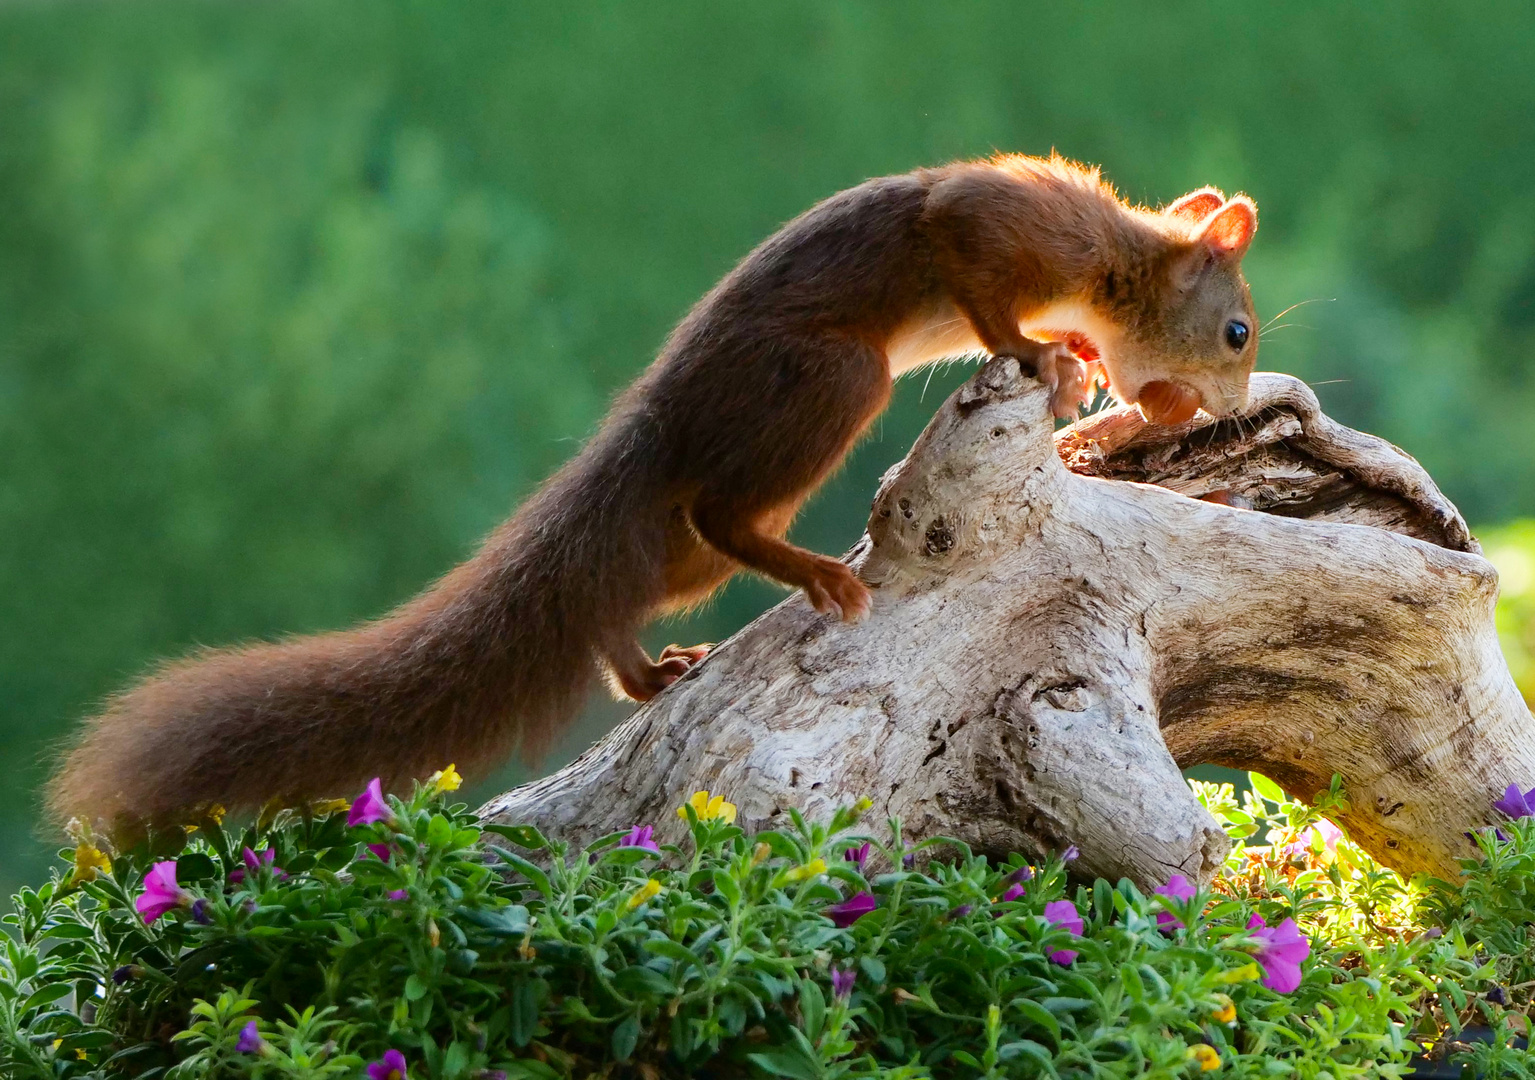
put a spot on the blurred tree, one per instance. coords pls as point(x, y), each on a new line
point(297, 300)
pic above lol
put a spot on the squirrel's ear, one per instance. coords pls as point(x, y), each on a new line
point(1230, 229)
point(1196, 205)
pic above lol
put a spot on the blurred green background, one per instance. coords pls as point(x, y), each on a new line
point(297, 300)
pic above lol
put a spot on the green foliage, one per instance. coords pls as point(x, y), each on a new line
point(1512, 550)
point(474, 949)
point(298, 299)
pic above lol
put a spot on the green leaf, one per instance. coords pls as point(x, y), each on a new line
point(47, 995)
point(439, 831)
point(539, 879)
point(416, 988)
point(509, 921)
point(626, 1036)
point(1028, 1048)
point(725, 885)
point(524, 1017)
point(521, 835)
point(456, 1061)
point(812, 1008)
point(786, 1061)
point(1266, 787)
point(1039, 1016)
point(732, 1015)
point(874, 968)
point(638, 979)
point(680, 955)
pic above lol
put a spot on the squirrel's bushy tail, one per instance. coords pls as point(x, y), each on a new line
point(495, 658)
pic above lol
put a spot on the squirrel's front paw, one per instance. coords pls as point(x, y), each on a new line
point(1073, 386)
point(1066, 377)
point(835, 590)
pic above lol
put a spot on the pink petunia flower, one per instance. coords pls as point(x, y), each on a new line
point(850, 910)
point(254, 862)
point(390, 1067)
point(370, 806)
point(250, 1041)
point(1063, 913)
point(643, 837)
point(1516, 803)
point(858, 856)
point(1302, 845)
point(161, 893)
point(842, 980)
point(1280, 954)
point(380, 851)
point(1177, 888)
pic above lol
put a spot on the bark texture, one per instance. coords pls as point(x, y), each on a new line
point(1050, 644)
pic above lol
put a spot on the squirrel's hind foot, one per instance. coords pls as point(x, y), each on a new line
point(636, 676)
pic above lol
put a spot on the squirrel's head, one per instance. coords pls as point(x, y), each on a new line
point(1190, 337)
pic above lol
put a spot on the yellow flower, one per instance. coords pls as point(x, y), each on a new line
point(813, 868)
point(1205, 1054)
point(1225, 1011)
point(88, 859)
point(1245, 973)
point(643, 893)
point(216, 813)
point(707, 809)
point(444, 780)
point(327, 807)
point(760, 854)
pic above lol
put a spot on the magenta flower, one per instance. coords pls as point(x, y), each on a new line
point(842, 980)
point(1012, 892)
point(1063, 913)
point(370, 806)
point(1301, 845)
point(1071, 854)
point(390, 1067)
point(1023, 873)
point(1516, 804)
point(254, 862)
point(380, 851)
point(398, 894)
point(961, 911)
point(643, 837)
point(850, 910)
point(858, 856)
point(1283, 948)
point(1177, 888)
point(250, 1041)
point(161, 893)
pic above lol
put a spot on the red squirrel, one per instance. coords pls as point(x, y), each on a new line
point(695, 474)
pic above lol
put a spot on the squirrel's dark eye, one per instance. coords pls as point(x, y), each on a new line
point(1236, 334)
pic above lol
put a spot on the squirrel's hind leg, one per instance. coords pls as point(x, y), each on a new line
point(633, 674)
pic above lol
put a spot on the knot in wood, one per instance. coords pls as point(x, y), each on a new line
point(939, 539)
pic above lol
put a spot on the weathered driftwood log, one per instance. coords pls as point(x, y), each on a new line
point(1048, 647)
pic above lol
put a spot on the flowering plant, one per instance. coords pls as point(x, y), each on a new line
point(400, 937)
